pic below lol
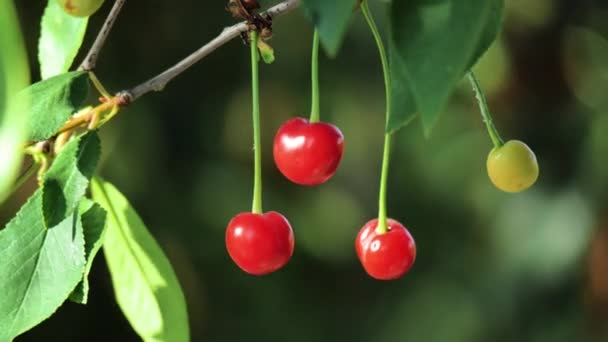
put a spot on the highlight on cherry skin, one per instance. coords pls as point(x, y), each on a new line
point(512, 167)
point(385, 256)
point(260, 243)
point(308, 153)
point(80, 8)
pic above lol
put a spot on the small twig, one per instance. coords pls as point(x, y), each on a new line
point(158, 82)
point(90, 60)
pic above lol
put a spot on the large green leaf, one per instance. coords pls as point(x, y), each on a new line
point(402, 107)
point(14, 76)
point(93, 224)
point(40, 267)
point(66, 182)
point(331, 19)
point(490, 31)
point(61, 36)
point(53, 101)
point(145, 284)
point(438, 41)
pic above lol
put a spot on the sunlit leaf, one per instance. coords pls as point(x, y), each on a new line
point(53, 101)
point(93, 224)
point(145, 284)
point(40, 267)
point(61, 36)
point(14, 76)
point(66, 181)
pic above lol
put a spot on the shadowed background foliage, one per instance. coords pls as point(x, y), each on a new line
point(490, 267)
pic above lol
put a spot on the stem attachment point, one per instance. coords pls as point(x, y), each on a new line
point(485, 111)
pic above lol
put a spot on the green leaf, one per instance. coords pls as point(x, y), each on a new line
point(490, 31)
point(403, 107)
point(61, 36)
point(266, 52)
point(438, 41)
point(331, 18)
point(14, 76)
point(93, 224)
point(53, 101)
point(66, 181)
point(145, 284)
point(40, 267)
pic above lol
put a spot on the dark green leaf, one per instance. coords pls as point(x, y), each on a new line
point(53, 101)
point(14, 76)
point(403, 107)
point(66, 181)
point(40, 267)
point(489, 33)
point(61, 36)
point(438, 41)
point(331, 18)
point(145, 284)
point(93, 224)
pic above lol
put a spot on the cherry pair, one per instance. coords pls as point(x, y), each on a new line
point(307, 154)
point(263, 243)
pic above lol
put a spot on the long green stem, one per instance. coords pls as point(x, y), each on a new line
point(382, 50)
point(382, 226)
point(315, 108)
point(256, 207)
point(485, 112)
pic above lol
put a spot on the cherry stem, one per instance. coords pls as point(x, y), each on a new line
point(256, 207)
point(382, 225)
point(315, 105)
point(485, 112)
point(99, 86)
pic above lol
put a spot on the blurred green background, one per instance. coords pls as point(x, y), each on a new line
point(490, 267)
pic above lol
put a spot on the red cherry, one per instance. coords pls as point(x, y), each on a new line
point(308, 153)
point(259, 243)
point(385, 256)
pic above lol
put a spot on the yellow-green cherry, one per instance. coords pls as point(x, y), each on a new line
point(80, 8)
point(512, 167)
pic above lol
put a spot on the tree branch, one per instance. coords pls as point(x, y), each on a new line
point(158, 82)
point(90, 60)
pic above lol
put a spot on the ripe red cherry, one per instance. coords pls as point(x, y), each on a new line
point(385, 256)
point(259, 243)
point(308, 153)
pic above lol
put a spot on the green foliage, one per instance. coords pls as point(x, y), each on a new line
point(402, 106)
point(93, 224)
point(145, 285)
point(331, 19)
point(61, 36)
point(54, 100)
point(47, 249)
point(39, 267)
point(68, 178)
point(435, 43)
point(14, 76)
point(44, 259)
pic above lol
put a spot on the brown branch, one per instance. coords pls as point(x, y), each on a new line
point(90, 60)
point(158, 82)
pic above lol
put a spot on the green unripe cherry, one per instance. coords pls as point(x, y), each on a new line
point(512, 167)
point(80, 8)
